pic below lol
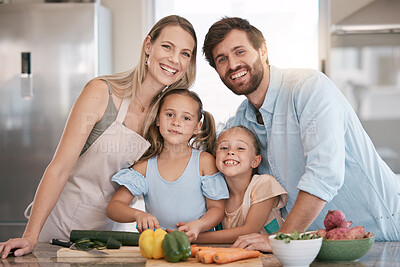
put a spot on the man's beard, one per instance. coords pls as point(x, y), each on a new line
point(257, 74)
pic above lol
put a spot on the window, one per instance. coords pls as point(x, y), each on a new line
point(290, 28)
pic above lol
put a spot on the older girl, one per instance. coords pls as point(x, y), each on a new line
point(180, 184)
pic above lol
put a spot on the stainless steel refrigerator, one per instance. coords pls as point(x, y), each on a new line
point(48, 51)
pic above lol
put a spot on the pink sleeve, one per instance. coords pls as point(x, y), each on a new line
point(265, 187)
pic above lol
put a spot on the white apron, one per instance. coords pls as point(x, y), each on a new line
point(83, 202)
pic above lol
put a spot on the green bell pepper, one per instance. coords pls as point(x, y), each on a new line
point(176, 246)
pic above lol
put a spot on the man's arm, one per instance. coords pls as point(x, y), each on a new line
point(305, 210)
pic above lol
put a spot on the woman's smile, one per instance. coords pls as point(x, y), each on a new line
point(168, 70)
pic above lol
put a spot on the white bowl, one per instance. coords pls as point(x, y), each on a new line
point(296, 252)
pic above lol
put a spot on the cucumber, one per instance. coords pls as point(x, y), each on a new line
point(126, 238)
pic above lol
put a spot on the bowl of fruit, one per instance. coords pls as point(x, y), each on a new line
point(341, 242)
point(295, 249)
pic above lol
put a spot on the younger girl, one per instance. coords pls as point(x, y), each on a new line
point(255, 200)
point(180, 184)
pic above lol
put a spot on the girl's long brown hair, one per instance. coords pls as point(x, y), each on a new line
point(204, 140)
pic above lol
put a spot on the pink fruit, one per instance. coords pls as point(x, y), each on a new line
point(337, 233)
point(368, 235)
point(357, 232)
point(333, 219)
point(322, 232)
point(346, 224)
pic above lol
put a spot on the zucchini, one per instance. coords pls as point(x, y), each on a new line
point(112, 243)
point(126, 238)
point(85, 246)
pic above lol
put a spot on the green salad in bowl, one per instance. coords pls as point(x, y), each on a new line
point(296, 249)
point(296, 236)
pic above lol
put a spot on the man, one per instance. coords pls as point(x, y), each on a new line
point(312, 141)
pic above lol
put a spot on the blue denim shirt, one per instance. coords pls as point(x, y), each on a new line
point(313, 141)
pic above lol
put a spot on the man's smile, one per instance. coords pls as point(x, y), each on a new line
point(238, 74)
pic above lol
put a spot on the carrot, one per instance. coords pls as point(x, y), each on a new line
point(218, 248)
point(201, 253)
point(205, 255)
point(226, 257)
point(208, 257)
point(194, 249)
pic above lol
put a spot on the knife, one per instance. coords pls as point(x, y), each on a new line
point(61, 243)
point(71, 245)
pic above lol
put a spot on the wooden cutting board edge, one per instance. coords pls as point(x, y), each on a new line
point(124, 251)
point(254, 262)
point(67, 254)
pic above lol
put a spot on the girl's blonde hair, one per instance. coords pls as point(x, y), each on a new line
point(129, 82)
point(204, 140)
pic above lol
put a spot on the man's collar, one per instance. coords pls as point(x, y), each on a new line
point(250, 112)
point(275, 82)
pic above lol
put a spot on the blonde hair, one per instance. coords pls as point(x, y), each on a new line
point(204, 140)
point(129, 82)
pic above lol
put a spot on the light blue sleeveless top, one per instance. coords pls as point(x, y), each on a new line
point(171, 202)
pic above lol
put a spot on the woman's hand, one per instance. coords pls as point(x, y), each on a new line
point(22, 245)
point(253, 242)
point(145, 221)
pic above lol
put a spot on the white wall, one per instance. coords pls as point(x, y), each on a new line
point(289, 27)
point(132, 20)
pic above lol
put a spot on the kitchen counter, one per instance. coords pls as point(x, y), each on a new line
point(381, 254)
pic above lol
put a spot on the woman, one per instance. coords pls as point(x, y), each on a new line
point(103, 134)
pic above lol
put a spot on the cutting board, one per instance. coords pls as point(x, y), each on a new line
point(67, 254)
point(124, 251)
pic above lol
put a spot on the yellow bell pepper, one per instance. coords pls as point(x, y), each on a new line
point(150, 243)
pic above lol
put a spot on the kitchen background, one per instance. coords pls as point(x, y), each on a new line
point(48, 51)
